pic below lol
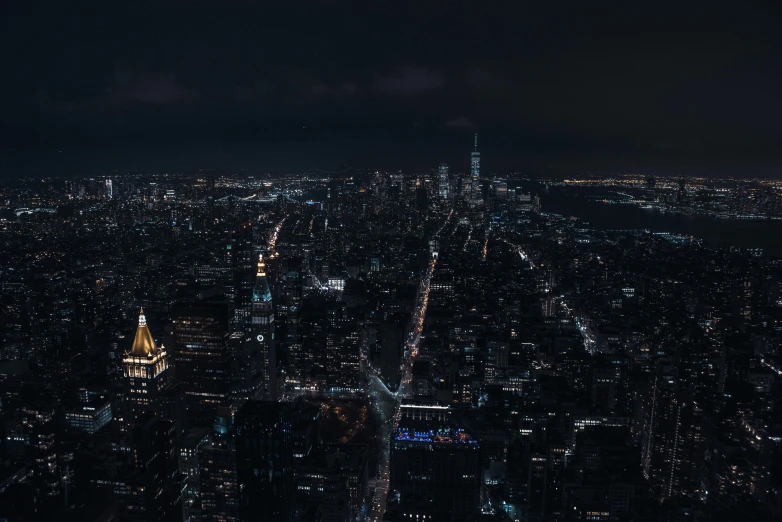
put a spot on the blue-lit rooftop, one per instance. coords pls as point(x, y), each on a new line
point(440, 436)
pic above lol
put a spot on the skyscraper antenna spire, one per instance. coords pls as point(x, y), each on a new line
point(476, 141)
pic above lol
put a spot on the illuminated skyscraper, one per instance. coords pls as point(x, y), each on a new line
point(475, 171)
point(261, 356)
point(146, 375)
point(442, 172)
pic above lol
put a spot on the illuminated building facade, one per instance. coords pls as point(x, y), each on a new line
point(442, 173)
point(89, 417)
point(258, 367)
point(146, 375)
point(475, 172)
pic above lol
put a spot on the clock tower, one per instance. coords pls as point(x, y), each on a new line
point(261, 351)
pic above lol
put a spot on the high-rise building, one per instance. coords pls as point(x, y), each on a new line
point(190, 472)
point(151, 490)
point(147, 377)
point(203, 358)
point(241, 259)
point(475, 171)
point(390, 340)
point(672, 440)
point(264, 452)
point(262, 360)
point(435, 467)
point(500, 189)
point(297, 361)
point(442, 173)
point(421, 199)
point(45, 467)
point(341, 361)
point(218, 483)
point(536, 481)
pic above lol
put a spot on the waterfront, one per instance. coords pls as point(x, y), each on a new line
point(581, 203)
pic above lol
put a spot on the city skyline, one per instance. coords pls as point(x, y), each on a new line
point(256, 265)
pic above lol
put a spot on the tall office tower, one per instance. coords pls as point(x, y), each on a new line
point(672, 440)
point(435, 467)
point(210, 194)
point(46, 478)
point(262, 360)
point(219, 486)
point(465, 189)
point(536, 482)
point(109, 188)
point(241, 259)
point(203, 358)
point(147, 378)
point(264, 452)
point(342, 355)
point(296, 360)
point(152, 490)
point(190, 472)
point(442, 172)
point(501, 189)
point(475, 171)
point(421, 199)
point(497, 353)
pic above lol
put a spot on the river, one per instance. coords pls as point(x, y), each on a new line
point(581, 203)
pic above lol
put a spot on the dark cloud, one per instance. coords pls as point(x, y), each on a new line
point(319, 90)
point(142, 87)
point(130, 87)
point(259, 91)
point(484, 79)
point(637, 85)
point(459, 123)
point(409, 81)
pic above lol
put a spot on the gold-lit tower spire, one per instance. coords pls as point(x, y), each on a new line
point(261, 291)
point(143, 343)
point(261, 267)
point(146, 375)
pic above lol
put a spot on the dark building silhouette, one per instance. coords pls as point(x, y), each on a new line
point(218, 482)
point(203, 359)
point(264, 453)
point(435, 467)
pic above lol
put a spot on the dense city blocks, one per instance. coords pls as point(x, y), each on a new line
point(410, 261)
point(378, 346)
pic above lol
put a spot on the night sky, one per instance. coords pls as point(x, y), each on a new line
point(550, 86)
